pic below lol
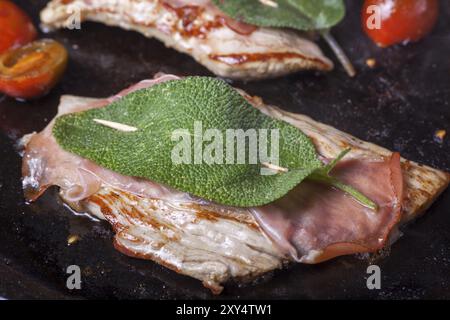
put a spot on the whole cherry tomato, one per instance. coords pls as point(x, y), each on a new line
point(399, 21)
point(16, 28)
point(32, 70)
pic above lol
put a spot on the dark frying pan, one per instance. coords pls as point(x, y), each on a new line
point(399, 105)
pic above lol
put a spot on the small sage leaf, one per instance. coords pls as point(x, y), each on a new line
point(297, 14)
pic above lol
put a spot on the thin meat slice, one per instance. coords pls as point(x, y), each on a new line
point(205, 242)
point(46, 164)
point(214, 243)
point(316, 222)
point(227, 47)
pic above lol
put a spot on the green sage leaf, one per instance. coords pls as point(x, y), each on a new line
point(303, 15)
point(178, 106)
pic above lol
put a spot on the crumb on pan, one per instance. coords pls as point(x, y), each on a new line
point(439, 136)
point(73, 238)
point(371, 63)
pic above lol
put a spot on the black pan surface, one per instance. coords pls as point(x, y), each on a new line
point(399, 105)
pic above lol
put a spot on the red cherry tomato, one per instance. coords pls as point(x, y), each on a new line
point(400, 21)
point(16, 28)
point(32, 70)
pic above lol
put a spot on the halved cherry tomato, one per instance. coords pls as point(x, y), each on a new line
point(401, 21)
point(32, 70)
point(16, 28)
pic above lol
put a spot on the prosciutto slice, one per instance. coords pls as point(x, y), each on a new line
point(46, 163)
point(315, 222)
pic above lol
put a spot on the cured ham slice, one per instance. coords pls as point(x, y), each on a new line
point(227, 47)
point(214, 243)
point(47, 164)
point(316, 222)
